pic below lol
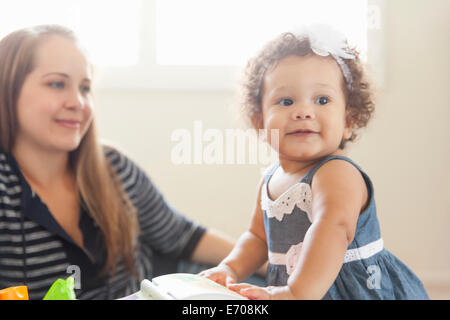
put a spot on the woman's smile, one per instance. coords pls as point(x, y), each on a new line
point(69, 123)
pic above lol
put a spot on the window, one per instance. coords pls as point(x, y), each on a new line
point(217, 32)
point(100, 24)
point(179, 44)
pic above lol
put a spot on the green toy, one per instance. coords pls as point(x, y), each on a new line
point(61, 290)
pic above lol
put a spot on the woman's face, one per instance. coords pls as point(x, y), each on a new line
point(54, 108)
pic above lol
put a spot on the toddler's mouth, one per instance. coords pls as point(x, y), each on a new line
point(302, 132)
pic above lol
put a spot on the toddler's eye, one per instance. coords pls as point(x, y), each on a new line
point(286, 102)
point(85, 89)
point(56, 84)
point(322, 100)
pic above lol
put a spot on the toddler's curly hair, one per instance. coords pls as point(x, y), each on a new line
point(360, 105)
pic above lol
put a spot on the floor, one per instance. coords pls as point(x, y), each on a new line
point(438, 292)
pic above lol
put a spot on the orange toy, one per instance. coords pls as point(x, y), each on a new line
point(14, 293)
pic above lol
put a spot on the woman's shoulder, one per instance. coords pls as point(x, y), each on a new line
point(111, 149)
point(9, 178)
point(116, 155)
point(6, 164)
point(128, 171)
point(3, 156)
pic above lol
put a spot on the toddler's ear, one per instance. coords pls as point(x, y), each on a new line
point(348, 131)
point(351, 120)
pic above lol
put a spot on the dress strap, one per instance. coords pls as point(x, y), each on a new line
point(270, 171)
point(308, 177)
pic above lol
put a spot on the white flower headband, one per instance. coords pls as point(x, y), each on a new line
point(326, 41)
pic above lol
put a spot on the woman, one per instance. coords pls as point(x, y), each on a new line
point(68, 203)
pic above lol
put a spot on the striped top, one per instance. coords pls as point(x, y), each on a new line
point(35, 250)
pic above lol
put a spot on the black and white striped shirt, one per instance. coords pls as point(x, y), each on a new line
point(35, 251)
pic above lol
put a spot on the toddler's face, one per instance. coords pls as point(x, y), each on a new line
point(303, 98)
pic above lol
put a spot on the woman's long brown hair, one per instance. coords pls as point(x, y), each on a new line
point(99, 186)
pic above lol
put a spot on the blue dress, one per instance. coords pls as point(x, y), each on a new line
point(369, 271)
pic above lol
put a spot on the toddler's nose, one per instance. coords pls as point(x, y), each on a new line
point(306, 116)
point(303, 114)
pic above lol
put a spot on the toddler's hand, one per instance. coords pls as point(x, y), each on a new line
point(222, 274)
point(251, 291)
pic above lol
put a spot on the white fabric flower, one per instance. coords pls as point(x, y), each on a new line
point(288, 259)
point(327, 41)
point(292, 257)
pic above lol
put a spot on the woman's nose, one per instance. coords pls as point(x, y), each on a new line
point(75, 100)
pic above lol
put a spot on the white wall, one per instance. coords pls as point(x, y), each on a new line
point(405, 150)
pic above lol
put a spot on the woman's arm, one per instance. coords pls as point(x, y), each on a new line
point(162, 228)
point(213, 247)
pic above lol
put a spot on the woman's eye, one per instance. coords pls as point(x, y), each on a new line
point(57, 84)
point(322, 100)
point(285, 102)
